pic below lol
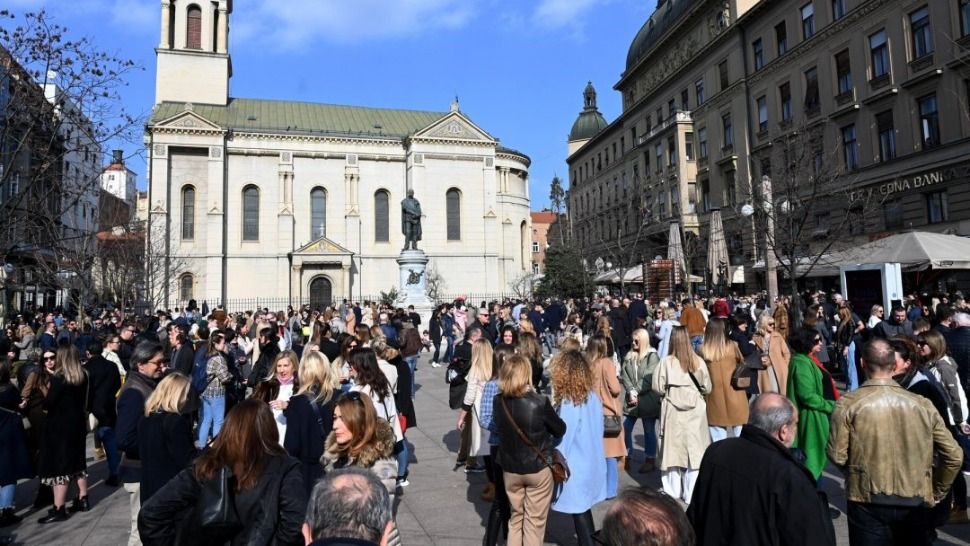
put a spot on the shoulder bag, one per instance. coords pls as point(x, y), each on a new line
point(556, 463)
point(215, 510)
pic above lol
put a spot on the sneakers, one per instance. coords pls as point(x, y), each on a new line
point(402, 481)
point(99, 454)
point(958, 515)
point(474, 469)
point(435, 365)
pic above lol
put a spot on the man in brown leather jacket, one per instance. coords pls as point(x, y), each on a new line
point(884, 440)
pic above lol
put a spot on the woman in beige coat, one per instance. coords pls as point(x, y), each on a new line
point(774, 378)
point(727, 407)
point(682, 379)
point(607, 388)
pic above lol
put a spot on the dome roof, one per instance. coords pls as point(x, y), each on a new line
point(590, 121)
point(668, 12)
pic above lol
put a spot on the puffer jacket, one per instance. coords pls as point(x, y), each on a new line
point(538, 421)
point(273, 511)
point(878, 438)
point(377, 456)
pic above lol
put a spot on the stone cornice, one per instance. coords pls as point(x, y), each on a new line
point(460, 142)
point(249, 135)
point(196, 131)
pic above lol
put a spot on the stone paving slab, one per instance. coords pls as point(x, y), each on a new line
point(440, 507)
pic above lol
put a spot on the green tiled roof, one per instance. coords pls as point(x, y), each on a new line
point(306, 118)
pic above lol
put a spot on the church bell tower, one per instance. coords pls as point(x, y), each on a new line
point(192, 57)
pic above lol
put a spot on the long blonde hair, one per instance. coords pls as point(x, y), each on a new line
point(67, 364)
point(291, 356)
point(681, 349)
point(316, 372)
point(716, 343)
point(482, 360)
point(643, 339)
point(525, 325)
point(169, 396)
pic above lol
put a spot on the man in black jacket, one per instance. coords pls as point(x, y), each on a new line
point(104, 382)
point(147, 363)
point(183, 356)
point(750, 489)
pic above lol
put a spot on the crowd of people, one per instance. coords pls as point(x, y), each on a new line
point(743, 403)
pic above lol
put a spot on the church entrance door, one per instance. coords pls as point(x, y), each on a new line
point(321, 293)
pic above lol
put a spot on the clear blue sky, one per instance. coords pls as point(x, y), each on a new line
point(518, 67)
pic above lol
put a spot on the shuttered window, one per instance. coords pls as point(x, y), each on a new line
point(193, 30)
point(318, 213)
point(188, 212)
point(381, 222)
point(453, 202)
point(250, 213)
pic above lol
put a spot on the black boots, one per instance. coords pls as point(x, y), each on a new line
point(80, 504)
point(45, 496)
point(9, 517)
point(584, 528)
point(54, 515)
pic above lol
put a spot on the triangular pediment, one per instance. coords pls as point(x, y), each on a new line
point(188, 120)
point(455, 126)
point(322, 246)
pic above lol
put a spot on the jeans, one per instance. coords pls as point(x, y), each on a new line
point(852, 373)
point(134, 505)
point(413, 364)
point(450, 351)
point(403, 460)
point(720, 433)
point(649, 435)
point(881, 525)
point(213, 411)
point(612, 477)
point(695, 342)
point(110, 445)
point(6, 495)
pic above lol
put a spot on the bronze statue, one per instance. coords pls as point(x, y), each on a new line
point(411, 221)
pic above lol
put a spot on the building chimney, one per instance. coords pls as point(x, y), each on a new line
point(118, 156)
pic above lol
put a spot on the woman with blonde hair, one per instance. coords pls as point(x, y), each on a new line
point(309, 414)
point(642, 403)
point(682, 380)
point(727, 407)
point(283, 380)
point(667, 324)
point(526, 326)
point(479, 374)
point(62, 447)
point(607, 389)
point(574, 381)
point(770, 342)
point(165, 440)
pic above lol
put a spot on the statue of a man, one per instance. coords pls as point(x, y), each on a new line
point(411, 221)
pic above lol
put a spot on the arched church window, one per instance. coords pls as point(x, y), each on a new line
point(193, 28)
point(523, 243)
point(185, 287)
point(381, 213)
point(250, 213)
point(188, 212)
point(318, 213)
point(453, 214)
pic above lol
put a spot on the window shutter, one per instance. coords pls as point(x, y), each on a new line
point(453, 198)
point(250, 214)
point(188, 213)
point(381, 231)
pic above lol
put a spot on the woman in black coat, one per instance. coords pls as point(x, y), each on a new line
point(434, 332)
point(309, 415)
point(62, 448)
point(165, 439)
point(14, 460)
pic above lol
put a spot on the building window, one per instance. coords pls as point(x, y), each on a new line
point(689, 146)
point(684, 101)
point(318, 213)
point(702, 142)
point(453, 202)
point(188, 212)
point(784, 99)
point(705, 201)
point(381, 212)
point(250, 213)
point(193, 28)
point(762, 113)
point(838, 9)
point(919, 23)
point(879, 54)
point(722, 71)
point(808, 20)
point(672, 150)
point(781, 38)
point(850, 149)
point(185, 287)
point(535, 246)
point(937, 208)
point(893, 214)
point(699, 89)
point(658, 150)
point(964, 17)
point(662, 204)
point(887, 135)
point(730, 189)
point(759, 54)
point(929, 121)
point(535, 268)
point(843, 72)
point(727, 131)
point(811, 91)
point(671, 108)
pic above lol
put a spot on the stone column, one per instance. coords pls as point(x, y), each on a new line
point(166, 10)
point(223, 30)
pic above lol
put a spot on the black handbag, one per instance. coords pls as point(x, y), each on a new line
point(215, 513)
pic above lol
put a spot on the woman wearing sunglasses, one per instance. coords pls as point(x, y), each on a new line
point(814, 396)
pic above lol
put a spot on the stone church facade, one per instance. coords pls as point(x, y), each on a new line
point(274, 199)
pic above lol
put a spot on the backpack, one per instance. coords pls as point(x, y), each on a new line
point(200, 371)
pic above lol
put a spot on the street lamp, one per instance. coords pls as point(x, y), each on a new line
point(765, 203)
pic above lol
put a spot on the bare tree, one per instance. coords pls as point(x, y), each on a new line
point(161, 271)
point(522, 285)
point(434, 283)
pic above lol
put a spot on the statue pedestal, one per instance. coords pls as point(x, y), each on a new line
point(412, 265)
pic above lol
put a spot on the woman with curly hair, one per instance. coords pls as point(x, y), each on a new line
point(573, 385)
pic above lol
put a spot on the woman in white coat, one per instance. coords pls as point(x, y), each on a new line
point(682, 380)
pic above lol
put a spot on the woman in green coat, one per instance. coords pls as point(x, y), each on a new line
point(642, 403)
point(806, 392)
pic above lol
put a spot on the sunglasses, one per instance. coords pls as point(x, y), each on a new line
point(921, 342)
point(48, 358)
point(353, 396)
point(818, 340)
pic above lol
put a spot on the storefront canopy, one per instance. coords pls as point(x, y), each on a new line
point(915, 251)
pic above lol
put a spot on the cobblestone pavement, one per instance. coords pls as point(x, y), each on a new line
point(440, 507)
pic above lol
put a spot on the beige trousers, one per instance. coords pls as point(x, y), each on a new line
point(529, 498)
point(134, 503)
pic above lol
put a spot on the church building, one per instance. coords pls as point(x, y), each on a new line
point(254, 198)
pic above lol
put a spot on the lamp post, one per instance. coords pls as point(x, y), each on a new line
point(771, 264)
